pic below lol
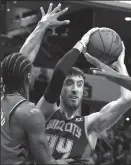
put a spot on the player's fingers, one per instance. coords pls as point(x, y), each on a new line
point(99, 73)
point(105, 28)
point(63, 22)
point(123, 49)
point(50, 8)
point(91, 68)
point(94, 69)
point(56, 9)
point(42, 11)
point(84, 50)
point(62, 12)
point(92, 60)
point(88, 34)
point(70, 160)
point(123, 46)
point(114, 65)
point(122, 55)
point(92, 30)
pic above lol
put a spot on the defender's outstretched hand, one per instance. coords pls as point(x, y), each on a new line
point(52, 15)
point(101, 69)
point(32, 44)
point(121, 77)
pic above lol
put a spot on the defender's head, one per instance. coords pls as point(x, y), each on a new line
point(16, 73)
point(72, 91)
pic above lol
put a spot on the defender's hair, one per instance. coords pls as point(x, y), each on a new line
point(77, 72)
point(15, 68)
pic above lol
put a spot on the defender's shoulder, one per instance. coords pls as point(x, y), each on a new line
point(24, 110)
point(28, 115)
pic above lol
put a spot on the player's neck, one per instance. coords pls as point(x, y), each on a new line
point(23, 91)
point(69, 113)
point(27, 92)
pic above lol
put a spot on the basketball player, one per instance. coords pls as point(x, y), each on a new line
point(108, 72)
point(69, 134)
point(49, 20)
point(23, 139)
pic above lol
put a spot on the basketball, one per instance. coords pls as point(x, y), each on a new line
point(105, 45)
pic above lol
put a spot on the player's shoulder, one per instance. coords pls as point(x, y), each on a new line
point(28, 115)
point(25, 110)
point(25, 107)
point(55, 115)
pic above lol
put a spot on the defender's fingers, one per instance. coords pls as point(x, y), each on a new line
point(62, 12)
point(50, 8)
point(93, 60)
point(63, 22)
point(70, 160)
point(99, 73)
point(42, 11)
point(56, 9)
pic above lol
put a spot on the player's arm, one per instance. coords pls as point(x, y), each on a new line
point(106, 118)
point(112, 112)
point(33, 123)
point(98, 122)
point(117, 78)
point(53, 90)
point(33, 42)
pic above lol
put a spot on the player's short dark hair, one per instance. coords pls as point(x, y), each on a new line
point(74, 71)
point(15, 68)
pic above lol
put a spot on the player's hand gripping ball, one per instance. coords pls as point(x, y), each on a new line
point(105, 44)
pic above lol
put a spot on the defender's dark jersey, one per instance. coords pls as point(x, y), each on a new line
point(67, 138)
point(11, 147)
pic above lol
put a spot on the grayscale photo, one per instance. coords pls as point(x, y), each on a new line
point(65, 82)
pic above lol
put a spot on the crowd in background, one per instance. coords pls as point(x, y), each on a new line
point(114, 146)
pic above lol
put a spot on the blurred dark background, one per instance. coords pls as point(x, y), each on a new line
point(19, 18)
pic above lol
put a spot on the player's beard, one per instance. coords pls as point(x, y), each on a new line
point(70, 105)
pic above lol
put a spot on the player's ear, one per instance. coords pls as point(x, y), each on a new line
point(29, 77)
